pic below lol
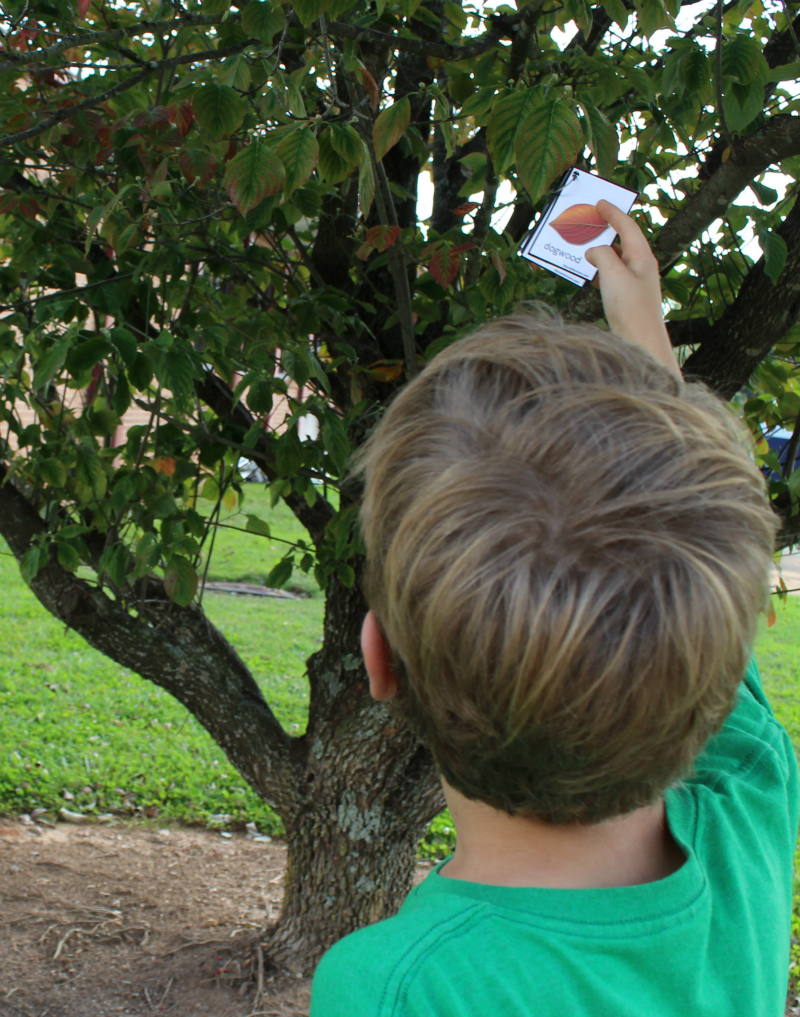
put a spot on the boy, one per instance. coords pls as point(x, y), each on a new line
point(568, 550)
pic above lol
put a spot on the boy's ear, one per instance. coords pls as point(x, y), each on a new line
point(377, 660)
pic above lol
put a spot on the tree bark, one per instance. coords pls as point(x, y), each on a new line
point(759, 317)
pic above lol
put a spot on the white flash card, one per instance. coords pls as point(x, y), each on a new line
point(570, 224)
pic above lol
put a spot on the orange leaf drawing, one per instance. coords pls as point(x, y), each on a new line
point(579, 224)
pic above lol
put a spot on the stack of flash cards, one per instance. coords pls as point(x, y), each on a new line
point(570, 224)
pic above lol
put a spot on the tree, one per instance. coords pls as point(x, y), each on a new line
point(205, 207)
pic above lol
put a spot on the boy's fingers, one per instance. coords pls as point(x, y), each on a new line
point(634, 242)
point(604, 258)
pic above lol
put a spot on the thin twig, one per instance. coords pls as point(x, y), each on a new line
point(790, 26)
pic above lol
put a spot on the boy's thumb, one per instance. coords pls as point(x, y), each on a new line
point(601, 257)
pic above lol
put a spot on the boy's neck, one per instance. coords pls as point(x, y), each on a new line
point(502, 850)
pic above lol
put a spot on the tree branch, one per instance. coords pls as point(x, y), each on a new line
point(501, 26)
point(17, 60)
point(175, 648)
point(758, 318)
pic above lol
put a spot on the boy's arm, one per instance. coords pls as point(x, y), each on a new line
point(630, 286)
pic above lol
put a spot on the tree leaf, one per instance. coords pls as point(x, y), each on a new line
point(121, 400)
point(617, 11)
point(382, 237)
point(309, 10)
point(507, 113)
point(288, 453)
point(50, 363)
point(743, 103)
point(346, 142)
point(281, 573)
point(333, 167)
point(235, 71)
point(254, 174)
point(366, 187)
point(218, 109)
point(346, 574)
point(741, 58)
point(68, 557)
point(180, 581)
point(603, 139)
point(85, 355)
point(390, 126)
point(298, 151)
point(653, 15)
point(52, 472)
point(336, 442)
point(262, 22)
point(775, 251)
point(444, 265)
point(196, 163)
point(124, 342)
point(547, 143)
point(256, 525)
point(177, 372)
point(31, 562)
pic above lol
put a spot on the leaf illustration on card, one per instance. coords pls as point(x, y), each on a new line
point(579, 224)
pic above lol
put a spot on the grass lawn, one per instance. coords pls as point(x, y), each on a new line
point(72, 720)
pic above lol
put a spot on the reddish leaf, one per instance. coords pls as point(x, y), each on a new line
point(383, 370)
point(157, 116)
point(463, 247)
point(364, 251)
point(83, 8)
point(466, 208)
point(579, 224)
point(444, 265)
point(182, 115)
point(370, 87)
point(382, 237)
point(252, 175)
point(165, 465)
point(27, 205)
point(390, 126)
point(500, 265)
point(196, 164)
point(158, 174)
point(8, 202)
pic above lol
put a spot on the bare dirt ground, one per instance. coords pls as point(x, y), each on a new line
point(122, 919)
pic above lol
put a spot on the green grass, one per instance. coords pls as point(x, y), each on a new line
point(73, 720)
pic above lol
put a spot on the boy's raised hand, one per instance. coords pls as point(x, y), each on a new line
point(630, 286)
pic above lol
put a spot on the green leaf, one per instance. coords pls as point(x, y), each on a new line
point(366, 187)
point(68, 557)
point(346, 574)
point(218, 109)
point(547, 143)
point(121, 400)
point(177, 372)
point(741, 58)
point(124, 342)
point(140, 373)
point(298, 151)
point(48, 365)
point(786, 72)
point(281, 573)
point(180, 581)
point(507, 113)
point(260, 21)
point(332, 166)
point(256, 525)
point(774, 247)
point(478, 103)
point(163, 506)
point(34, 559)
point(617, 11)
point(390, 126)
point(253, 174)
point(235, 71)
point(346, 142)
point(288, 453)
point(743, 103)
point(84, 356)
point(116, 567)
point(336, 442)
point(297, 366)
point(52, 472)
point(653, 15)
point(309, 10)
point(89, 472)
point(603, 140)
point(764, 195)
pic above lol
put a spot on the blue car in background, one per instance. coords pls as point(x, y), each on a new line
point(778, 443)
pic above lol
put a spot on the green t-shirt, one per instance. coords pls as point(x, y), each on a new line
point(711, 940)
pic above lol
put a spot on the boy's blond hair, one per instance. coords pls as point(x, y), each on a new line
point(568, 549)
